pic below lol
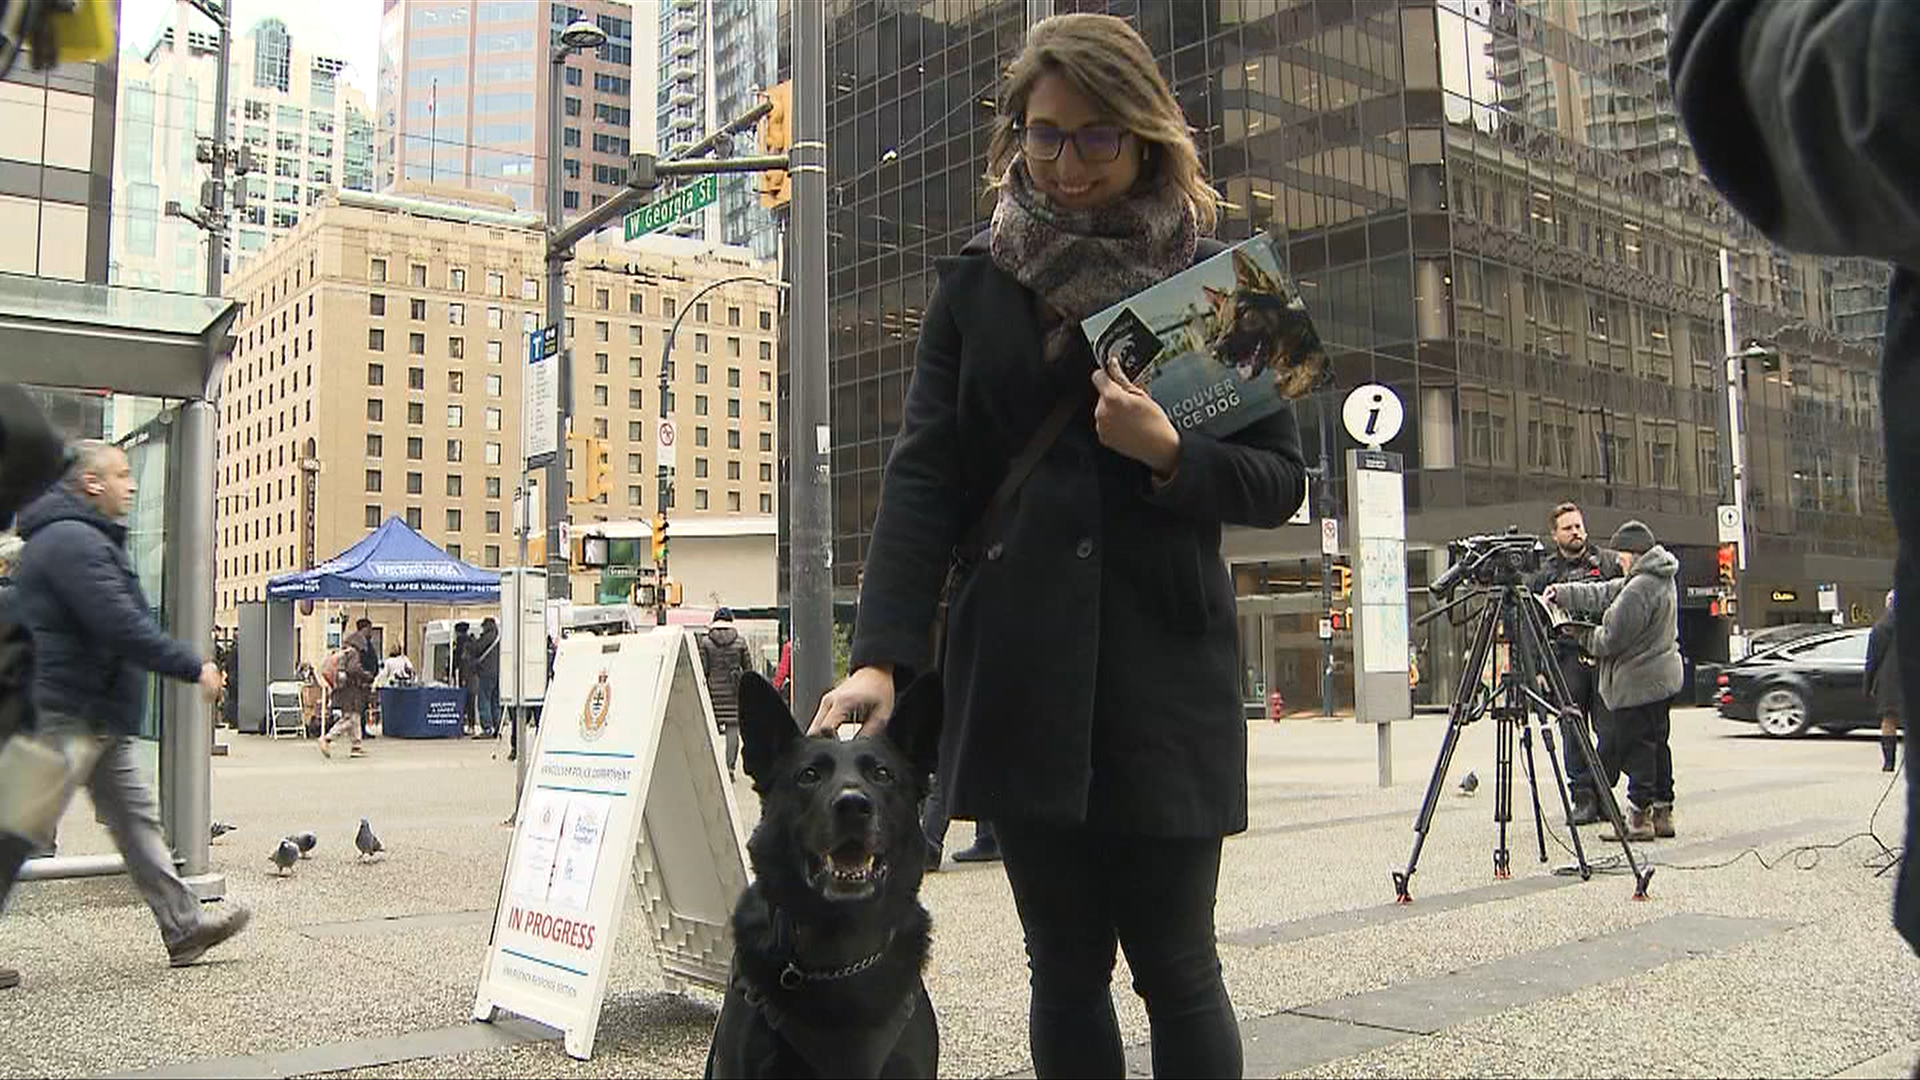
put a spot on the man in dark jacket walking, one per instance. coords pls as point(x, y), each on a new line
point(1797, 112)
point(485, 667)
point(1883, 682)
point(1638, 646)
point(725, 657)
point(94, 638)
point(1574, 559)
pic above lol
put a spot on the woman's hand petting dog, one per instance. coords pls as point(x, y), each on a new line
point(864, 697)
point(1128, 421)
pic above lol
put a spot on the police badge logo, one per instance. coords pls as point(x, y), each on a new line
point(593, 718)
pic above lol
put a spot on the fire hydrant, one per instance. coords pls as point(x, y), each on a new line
point(1275, 705)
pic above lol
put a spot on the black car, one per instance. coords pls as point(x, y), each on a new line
point(1815, 681)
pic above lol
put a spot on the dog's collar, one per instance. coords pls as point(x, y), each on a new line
point(793, 976)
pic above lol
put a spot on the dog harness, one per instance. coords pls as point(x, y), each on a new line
point(827, 1050)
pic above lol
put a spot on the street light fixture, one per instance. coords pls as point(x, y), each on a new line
point(581, 35)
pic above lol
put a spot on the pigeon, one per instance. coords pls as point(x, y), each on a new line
point(368, 843)
point(1469, 783)
point(306, 842)
point(285, 856)
point(221, 828)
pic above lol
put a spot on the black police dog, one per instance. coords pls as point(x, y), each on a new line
point(830, 939)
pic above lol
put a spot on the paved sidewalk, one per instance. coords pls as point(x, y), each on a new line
point(369, 969)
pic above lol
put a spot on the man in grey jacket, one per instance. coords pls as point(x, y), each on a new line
point(1637, 644)
point(1801, 115)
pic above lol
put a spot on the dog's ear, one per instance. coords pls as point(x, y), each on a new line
point(766, 726)
point(915, 726)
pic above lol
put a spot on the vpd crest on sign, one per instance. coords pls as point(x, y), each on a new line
point(593, 718)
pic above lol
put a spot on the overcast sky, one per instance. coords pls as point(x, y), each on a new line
point(352, 26)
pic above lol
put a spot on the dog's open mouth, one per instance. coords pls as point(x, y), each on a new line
point(850, 871)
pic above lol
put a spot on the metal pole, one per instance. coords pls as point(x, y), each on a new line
point(559, 584)
point(217, 236)
point(811, 586)
point(1326, 557)
point(187, 763)
point(1734, 470)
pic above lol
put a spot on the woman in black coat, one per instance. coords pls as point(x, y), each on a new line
point(1091, 660)
point(1884, 685)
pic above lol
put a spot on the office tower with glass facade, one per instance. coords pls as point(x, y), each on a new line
point(287, 103)
point(715, 58)
point(1490, 208)
point(462, 98)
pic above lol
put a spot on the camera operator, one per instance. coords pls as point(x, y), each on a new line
point(1574, 560)
point(1638, 646)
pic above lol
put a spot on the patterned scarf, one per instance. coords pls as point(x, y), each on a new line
point(1082, 261)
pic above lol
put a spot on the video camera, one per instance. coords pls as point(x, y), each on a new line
point(1490, 560)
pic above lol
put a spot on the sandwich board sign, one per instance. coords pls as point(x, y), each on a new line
point(627, 789)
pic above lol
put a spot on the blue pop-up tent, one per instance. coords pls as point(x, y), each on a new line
point(392, 564)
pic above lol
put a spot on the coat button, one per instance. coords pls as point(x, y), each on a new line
point(1084, 548)
point(994, 551)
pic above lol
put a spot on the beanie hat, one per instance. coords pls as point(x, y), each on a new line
point(723, 615)
point(1634, 537)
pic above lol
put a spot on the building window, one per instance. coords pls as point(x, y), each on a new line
point(636, 431)
point(766, 442)
point(456, 415)
point(453, 524)
point(413, 518)
point(766, 411)
point(699, 498)
point(733, 470)
point(699, 468)
point(733, 346)
point(457, 348)
point(493, 386)
point(374, 517)
point(493, 554)
point(418, 273)
point(766, 472)
point(766, 504)
point(416, 378)
point(376, 375)
point(634, 464)
point(457, 314)
point(454, 485)
point(376, 410)
point(733, 316)
point(700, 374)
point(417, 310)
point(417, 344)
point(600, 395)
point(699, 404)
point(493, 352)
point(766, 320)
point(455, 452)
point(376, 304)
point(415, 483)
point(377, 270)
point(699, 436)
point(492, 419)
point(377, 340)
point(633, 494)
point(733, 501)
point(733, 438)
point(733, 377)
point(416, 448)
point(635, 304)
point(766, 381)
point(700, 343)
point(457, 280)
point(373, 481)
point(416, 412)
point(491, 455)
point(633, 399)
point(733, 408)
point(375, 444)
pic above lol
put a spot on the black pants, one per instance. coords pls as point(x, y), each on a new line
point(1582, 690)
point(934, 820)
point(1900, 383)
point(1636, 740)
point(1080, 892)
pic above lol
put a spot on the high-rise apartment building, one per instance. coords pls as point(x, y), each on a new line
point(462, 98)
point(379, 366)
point(1490, 208)
point(308, 132)
point(715, 57)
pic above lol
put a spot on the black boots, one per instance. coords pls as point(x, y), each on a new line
point(1888, 747)
point(1586, 808)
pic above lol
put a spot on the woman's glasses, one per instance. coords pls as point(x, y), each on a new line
point(1095, 144)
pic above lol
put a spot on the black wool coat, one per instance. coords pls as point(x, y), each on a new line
point(1092, 664)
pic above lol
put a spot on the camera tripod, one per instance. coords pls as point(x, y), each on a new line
point(1531, 693)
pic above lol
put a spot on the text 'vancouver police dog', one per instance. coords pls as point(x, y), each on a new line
point(830, 939)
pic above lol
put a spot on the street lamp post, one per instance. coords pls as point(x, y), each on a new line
point(666, 477)
point(578, 36)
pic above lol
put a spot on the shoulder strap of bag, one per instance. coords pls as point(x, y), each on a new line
point(1022, 467)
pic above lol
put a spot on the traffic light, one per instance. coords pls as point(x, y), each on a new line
point(1346, 581)
point(599, 471)
point(776, 137)
point(659, 538)
point(1727, 578)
